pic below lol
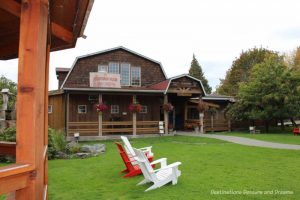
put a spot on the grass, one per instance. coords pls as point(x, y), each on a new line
point(207, 165)
point(285, 138)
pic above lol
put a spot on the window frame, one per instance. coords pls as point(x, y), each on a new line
point(112, 109)
point(78, 109)
point(111, 64)
point(100, 66)
point(51, 110)
point(129, 74)
point(140, 76)
point(144, 109)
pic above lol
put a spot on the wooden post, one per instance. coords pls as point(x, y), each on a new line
point(67, 114)
point(201, 116)
point(100, 118)
point(166, 115)
point(212, 122)
point(4, 107)
point(32, 99)
point(134, 117)
point(185, 113)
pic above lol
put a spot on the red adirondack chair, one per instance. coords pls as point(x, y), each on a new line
point(296, 131)
point(131, 170)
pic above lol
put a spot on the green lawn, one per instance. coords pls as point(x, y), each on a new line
point(207, 165)
point(286, 138)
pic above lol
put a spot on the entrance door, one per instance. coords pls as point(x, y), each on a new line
point(179, 116)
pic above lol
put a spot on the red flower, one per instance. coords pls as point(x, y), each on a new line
point(135, 107)
point(101, 107)
point(168, 107)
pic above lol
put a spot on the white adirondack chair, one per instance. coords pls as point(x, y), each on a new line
point(160, 177)
point(129, 150)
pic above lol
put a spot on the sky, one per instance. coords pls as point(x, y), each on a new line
point(171, 31)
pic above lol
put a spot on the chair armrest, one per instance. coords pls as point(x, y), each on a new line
point(162, 161)
point(146, 148)
point(173, 165)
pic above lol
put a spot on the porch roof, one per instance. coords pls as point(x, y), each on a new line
point(122, 90)
point(67, 22)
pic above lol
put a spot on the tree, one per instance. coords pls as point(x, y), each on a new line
point(196, 71)
point(12, 86)
point(272, 92)
point(240, 69)
point(292, 60)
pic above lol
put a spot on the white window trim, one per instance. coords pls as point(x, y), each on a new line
point(129, 74)
point(146, 110)
point(139, 77)
point(114, 63)
point(51, 109)
point(78, 110)
point(106, 66)
point(113, 112)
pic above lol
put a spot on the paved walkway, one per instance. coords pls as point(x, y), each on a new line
point(245, 141)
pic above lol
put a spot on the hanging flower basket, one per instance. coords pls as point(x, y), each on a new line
point(202, 106)
point(101, 107)
point(135, 107)
point(168, 107)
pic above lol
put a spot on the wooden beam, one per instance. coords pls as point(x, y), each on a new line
point(134, 117)
point(14, 177)
point(100, 118)
point(58, 31)
point(31, 100)
point(166, 116)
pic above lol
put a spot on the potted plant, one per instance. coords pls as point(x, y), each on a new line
point(168, 107)
point(101, 107)
point(135, 107)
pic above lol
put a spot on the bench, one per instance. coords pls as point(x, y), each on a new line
point(296, 131)
point(253, 129)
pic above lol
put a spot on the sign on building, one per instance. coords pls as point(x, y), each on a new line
point(104, 80)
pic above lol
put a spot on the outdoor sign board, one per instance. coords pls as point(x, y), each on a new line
point(104, 80)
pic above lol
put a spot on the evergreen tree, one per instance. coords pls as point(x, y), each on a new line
point(196, 71)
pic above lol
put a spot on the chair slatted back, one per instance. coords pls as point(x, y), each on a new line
point(145, 165)
point(124, 156)
point(128, 146)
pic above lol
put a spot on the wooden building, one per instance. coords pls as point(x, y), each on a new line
point(119, 77)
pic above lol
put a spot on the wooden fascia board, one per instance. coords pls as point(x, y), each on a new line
point(58, 31)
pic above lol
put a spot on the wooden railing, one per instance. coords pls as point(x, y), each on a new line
point(111, 127)
point(147, 127)
point(14, 177)
point(84, 128)
point(117, 127)
point(8, 148)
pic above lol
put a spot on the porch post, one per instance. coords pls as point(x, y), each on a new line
point(166, 115)
point(201, 116)
point(185, 113)
point(212, 122)
point(134, 117)
point(68, 114)
point(32, 97)
point(100, 118)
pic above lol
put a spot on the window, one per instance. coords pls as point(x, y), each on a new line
point(125, 74)
point(193, 113)
point(102, 68)
point(144, 109)
point(81, 109)
point(114, 109)
point(113, 68)
point(50, 108)
point(136, 76)
point(93, 98)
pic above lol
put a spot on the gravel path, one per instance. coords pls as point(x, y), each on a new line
point(245, 141)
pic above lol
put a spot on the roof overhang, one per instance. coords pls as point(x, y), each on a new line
point(113, 90)
point(67, 21)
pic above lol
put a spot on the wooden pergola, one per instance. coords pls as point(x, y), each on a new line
point(29, 30)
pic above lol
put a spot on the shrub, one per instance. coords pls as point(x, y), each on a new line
point(59, 141)
point(73, 147)
point(8, 134)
